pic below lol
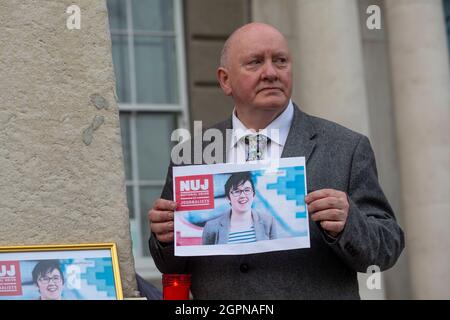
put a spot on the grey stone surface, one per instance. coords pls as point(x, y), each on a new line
point(98, 101)
point(220, 16)
point(419, 60)
point(382, 129)
point(208, 24)
point(87, 135)
point(211, 106)
point(97, 122)
point(54, 187)
point(204, 61)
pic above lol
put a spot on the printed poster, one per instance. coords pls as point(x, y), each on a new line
point(229, 209)
point(57, 275)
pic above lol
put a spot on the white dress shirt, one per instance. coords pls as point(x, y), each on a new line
point(277, 131)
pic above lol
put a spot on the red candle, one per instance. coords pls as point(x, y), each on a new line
point(176, 286)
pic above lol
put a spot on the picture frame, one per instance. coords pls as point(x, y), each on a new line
point(60, 272)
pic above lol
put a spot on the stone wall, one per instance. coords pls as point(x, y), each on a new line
point(61, 165)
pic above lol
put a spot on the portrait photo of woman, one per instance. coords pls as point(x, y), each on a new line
point(241, 223)
point(49, 279)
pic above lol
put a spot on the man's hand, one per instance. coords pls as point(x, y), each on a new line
point(161, 219)
point(330, 207)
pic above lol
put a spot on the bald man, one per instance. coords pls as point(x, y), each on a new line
point(352, 225)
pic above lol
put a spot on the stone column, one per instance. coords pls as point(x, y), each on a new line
point(328, 67)
point(421, 89)
point(62, 174)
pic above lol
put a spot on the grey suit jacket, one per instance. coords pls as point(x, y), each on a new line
point(336, 158)
point(216, 230)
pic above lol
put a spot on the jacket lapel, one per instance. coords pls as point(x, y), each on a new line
point(224, 228)
point(300, 140)
point(225, 128)
point(259, 226)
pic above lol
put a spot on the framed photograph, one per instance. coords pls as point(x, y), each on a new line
point(60, 272)
point(231, 208)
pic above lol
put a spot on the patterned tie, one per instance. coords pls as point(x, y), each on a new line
point(255, 146)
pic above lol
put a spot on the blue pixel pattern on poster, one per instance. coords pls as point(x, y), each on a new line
point(292, 186)
point(289, 185)
point(100, 275)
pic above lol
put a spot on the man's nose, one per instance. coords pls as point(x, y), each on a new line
point(269, 72)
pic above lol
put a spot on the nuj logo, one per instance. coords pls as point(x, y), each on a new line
point(194, 192)
point(194, 185)
point(10, 282)
point(5, 272)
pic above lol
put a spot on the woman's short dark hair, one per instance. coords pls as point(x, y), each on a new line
point(237, 179)
point(45, 266)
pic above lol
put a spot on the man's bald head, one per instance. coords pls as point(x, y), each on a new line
point(256, 27)
point(256, 71)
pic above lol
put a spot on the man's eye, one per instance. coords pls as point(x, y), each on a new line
point(281, 60)
point(254, 62)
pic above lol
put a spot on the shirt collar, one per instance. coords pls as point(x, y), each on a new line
point(282, 123)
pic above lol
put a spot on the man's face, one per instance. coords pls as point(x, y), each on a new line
point(50, 285)
point(258, 70)
point(241, 198)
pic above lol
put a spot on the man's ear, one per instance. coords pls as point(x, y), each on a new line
point(224, 80)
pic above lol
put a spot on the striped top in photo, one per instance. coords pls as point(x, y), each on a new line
point(243, 236)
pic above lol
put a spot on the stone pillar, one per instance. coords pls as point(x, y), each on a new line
point(421, 88)
point(382, 130)
point(328, 67)
point(62, 173)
